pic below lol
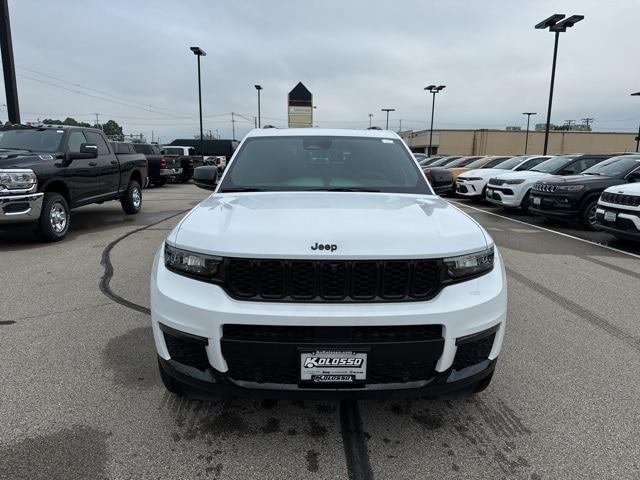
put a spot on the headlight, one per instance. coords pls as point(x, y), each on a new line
point(17, 179)
point(470, 179)
point(192, 264)
point(469, 265)
point(514, 182)
point(569, 188)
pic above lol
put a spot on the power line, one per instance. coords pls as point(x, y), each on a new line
point(129, 100)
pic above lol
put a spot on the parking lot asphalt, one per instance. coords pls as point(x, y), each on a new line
point(80, 395)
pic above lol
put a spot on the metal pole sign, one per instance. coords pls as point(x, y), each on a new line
point(300, 107)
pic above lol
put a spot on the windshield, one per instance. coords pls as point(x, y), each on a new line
point(33, 140)
point(303, 163)
point(552, 165)
point(443, 161)
point(461, 162)
point(511, 163)
point(615, 166)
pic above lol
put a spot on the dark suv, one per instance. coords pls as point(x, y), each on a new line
point(575, 198)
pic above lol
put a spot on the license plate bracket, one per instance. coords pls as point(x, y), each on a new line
point(333, 367)
point(610, 216)
point(537, 200)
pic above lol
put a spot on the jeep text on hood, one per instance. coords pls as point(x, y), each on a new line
point(324, 265)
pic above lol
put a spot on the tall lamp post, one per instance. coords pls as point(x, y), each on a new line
point(258, 88)
point(433, 89)
point(370, 118)
point(555, 24)
point(526, 138)
point(637, 94)
point(387, 110)
point(198, 52)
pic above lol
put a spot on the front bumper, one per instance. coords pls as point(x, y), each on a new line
point(202, 310)
point(557, 206)
point(507, 196)
point(473, 188)
point(20, 208)
point(625, 225)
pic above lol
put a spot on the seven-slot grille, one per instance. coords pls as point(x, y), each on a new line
point(333, 281)
point(621, 199)
point(541, 187)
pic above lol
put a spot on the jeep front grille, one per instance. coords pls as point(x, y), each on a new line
point(541, 187)
point(333, 281)
point(621, 199)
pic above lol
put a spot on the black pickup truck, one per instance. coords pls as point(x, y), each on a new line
point(161, 168)
point(185, 158)
point(45, 171)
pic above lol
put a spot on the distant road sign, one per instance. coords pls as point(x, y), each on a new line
point(300, 107)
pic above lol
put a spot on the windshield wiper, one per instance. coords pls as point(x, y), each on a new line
point(343, 189)
point(242, 189)
point(18, 149)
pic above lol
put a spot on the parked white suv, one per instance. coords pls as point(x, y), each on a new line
point(618, 210)
point(473, 184)
point(324, 265)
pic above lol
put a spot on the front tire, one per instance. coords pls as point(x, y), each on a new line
point(524, 206)
point(132, 200)
point(55, 218)
point(588, 215)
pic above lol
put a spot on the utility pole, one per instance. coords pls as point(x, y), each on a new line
point(433, 89)
point(400, 127)
point(8, 67)
point(587, 123)
point(526, 138)
point(233, 126)
point(151, 136)
point(370, 118)
point(98, 122)
point(387, 110)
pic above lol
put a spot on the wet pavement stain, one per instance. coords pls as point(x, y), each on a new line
point(76, 452)
point(312, 460)
point(7, 322)
point(132, 358)
point(316, 429)
point(272, 426)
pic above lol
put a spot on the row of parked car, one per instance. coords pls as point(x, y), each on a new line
point(596, 191)
point(171, 163)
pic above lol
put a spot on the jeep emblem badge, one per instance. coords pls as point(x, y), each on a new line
point(332, 247)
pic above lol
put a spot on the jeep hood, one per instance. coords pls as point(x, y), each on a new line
point(524, 174)
point(483, 173)
point(361, 225)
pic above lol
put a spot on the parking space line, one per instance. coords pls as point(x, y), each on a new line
point(463, 205)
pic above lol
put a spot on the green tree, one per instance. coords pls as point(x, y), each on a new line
point(111, 128)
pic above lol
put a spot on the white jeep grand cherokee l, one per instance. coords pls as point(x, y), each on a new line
point(324, 266)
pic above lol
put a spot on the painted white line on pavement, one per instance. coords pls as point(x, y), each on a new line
point(464, 205)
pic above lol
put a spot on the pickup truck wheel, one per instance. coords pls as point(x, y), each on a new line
point(588, 215)
point(170, 383)
point(55, 218)
point(132, 199)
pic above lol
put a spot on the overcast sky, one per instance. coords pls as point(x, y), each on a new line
point(355, 56)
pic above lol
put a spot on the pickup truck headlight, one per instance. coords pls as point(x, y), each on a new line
point(515, 182)
point(17, 179)
point(469, 265)
point(192, 264)
point(569, 188)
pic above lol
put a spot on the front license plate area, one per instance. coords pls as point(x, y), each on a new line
point(537, 200)
point(610, 216)
point(333, 368)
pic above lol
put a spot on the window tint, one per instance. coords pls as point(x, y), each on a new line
point(143, 148)
point(493, 163)
point(76, 139)
point(579, 165)
point(325, 162)
point(34, 140)
point(510, 164)
point(615, 166)
point(533, 162)
point(192, 151)
point(97, 139)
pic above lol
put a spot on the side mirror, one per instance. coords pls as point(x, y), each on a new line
point(206, 177)
point(87, 150)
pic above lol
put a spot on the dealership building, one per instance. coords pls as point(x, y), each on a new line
point(512, 142)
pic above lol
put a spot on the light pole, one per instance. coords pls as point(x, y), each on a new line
point(526, 138)
point(555, 24)
point(198, 52)
point(387, 110)
point(637, 94)
point(370, 118)
point(433, 89)
point(258, 88)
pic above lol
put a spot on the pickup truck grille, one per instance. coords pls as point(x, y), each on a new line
point(620, 199)
point(541, 187)
point(333, 281)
